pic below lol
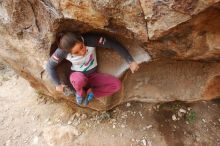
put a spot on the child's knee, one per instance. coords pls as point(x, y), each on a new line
point(78, 80)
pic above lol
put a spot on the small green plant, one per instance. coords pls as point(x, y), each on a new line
point(191, 117)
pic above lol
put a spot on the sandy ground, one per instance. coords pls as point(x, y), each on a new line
point(29, 119)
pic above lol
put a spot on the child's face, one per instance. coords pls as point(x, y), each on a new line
point(79, 49)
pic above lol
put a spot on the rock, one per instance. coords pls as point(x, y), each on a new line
point(124, 115)
point(122, 126)
point(181, 37)
point(60, 135)
point(116, 110)
point(144, 142)
point(35, 140)
point(58, 120)
point(69, 122)
point(179, 114)
point(18, 135)
point(84, 116)
point(76, 122)
point(2, 66)
point(174, 117)
point(77, 115)
point(164, 15)
point(103, 116)
point(141, 115)
point(149, 143)
point(27, 112)
point(47, 120)
point(158, 107)
point(72, 117)
point(182, 110)
point(197, 139)
point(128, 104)
point(149, 126)
point(34, 130)
point(8, 143)
point(112, 121)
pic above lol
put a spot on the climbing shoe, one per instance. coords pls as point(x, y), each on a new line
point(79, 99)
point(89, 97)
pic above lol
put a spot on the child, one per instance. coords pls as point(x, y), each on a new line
point(80, 51)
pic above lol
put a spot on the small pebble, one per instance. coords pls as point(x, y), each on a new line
point(84, 116)
point(174, 117)
point(144, 142)
point(182, 110)
point(77, 115)
point(35, 140)
point(122, 126)
point(149, 126)
point(128, 104)
point(46, 120)
point(8, 143)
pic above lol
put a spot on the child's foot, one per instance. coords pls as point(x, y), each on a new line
point(89, 97)
point(79, 99)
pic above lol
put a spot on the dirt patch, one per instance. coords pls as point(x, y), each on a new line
point(195, 126)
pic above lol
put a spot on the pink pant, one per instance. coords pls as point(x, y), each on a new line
point(100, 83)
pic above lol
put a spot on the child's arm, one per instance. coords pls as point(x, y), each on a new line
point(95, 40)
point(53, 61)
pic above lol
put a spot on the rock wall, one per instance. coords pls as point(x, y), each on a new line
point(182, 38)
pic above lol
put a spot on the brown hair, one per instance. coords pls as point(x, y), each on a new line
point(68, 40)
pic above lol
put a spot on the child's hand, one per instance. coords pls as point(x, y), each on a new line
point(134, 66)
point(60, 88)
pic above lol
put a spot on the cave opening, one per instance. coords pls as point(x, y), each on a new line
point(107, 64)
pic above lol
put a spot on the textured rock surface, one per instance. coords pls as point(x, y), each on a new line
point(162, 15)
point(169, 30)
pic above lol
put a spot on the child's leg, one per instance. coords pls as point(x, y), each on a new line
point(78, 80)
point(103, 84)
